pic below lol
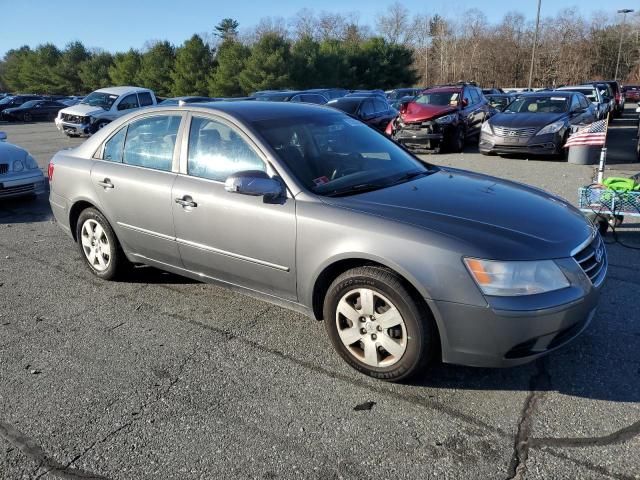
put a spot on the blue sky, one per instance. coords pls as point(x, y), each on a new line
point(117, 25)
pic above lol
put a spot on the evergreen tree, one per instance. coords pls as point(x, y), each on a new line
point(230, 59)
point(38, 72)
point(268, 65)
point(156, 67)
point(227, 29)
point(305, 63)
point(125, 68)
point(14, 62)
point(67, 73)
point(94, 72)
point(192, 66)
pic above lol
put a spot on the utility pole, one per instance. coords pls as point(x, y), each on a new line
point(535, 43)
point(624, 12)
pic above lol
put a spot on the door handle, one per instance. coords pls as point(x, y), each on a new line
point(106, 183)
point(186, 201)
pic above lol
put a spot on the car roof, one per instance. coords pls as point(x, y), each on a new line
point(548, 93)
point(446, 88)
point(255, 111)
point(122, 90)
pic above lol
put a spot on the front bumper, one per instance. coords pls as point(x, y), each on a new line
point(548, 144)
point(427, 135)
point(31, 182)
point(512, 331)
point(73, 128)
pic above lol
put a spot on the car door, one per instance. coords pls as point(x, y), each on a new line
point(239, 239)
point(133, 177)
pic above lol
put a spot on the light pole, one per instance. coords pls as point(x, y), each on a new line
point(535, 43)
point(624, 12)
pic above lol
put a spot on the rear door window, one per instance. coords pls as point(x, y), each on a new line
point(151, 141)
point(379, 105)
point(145, 99)
point(366, 109)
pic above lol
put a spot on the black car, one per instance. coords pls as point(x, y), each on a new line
point(34, 110)
point(441, 117)
point(16, 100)
point(375, 111)
point(499, 101)
point(367, 93)
point(330, 93)
point(536, 123)
point(309, 97)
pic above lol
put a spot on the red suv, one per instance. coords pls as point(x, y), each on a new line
point(441, 117)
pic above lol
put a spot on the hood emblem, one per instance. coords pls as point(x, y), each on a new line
point(599, 254)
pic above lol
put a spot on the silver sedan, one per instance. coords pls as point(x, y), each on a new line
point(19, 172)
point(308, 208)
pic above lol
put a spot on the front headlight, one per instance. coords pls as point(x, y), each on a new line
point(446, 119)
point(31, 163)
point(18, 166)
point(516, 278)
point(486, 128)
point(552, 128)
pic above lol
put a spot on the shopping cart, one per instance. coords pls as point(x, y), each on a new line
point(606, 206)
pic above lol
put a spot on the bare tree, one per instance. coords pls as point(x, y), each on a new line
point(395, 24)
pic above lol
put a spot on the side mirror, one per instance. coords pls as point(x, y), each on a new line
point(3, 136)
point(465, 102)
point(255, 183)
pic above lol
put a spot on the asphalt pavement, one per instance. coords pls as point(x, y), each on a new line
point(160, 377)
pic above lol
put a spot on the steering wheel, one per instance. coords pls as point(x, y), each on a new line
point(351, 163)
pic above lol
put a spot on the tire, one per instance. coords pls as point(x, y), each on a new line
point(99, 246)
point(100, 125)
point(457, 140)
point(27, 117)
point(409, 332)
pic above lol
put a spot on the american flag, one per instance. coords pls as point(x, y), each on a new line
point(593, 134)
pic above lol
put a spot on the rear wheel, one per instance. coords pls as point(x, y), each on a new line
point(99, 246)
point(27, 117)
point(377, 325)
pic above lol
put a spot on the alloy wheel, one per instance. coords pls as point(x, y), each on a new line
point(371, 328)
point(95, 245)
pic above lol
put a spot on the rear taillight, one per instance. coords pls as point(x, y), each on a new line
point(50, 171)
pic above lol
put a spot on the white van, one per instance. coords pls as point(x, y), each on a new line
point(101, 107)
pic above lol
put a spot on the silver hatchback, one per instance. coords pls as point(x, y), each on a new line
point(305, 207)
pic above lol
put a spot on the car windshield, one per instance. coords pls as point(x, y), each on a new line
point(334, 155)
point(100, 99)
point(590, 93)
point(539, 105)
point(498, 101)
point(6, 100)
point(438, 98)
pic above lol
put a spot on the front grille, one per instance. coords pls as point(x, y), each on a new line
point(514, 132)
point(4, 168)
point(593, 260)
point(67, 117)
point(17, 190)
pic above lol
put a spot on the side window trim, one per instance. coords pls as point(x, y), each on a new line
point(186, 132)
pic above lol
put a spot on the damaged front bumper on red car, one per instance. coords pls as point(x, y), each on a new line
point(425, 135)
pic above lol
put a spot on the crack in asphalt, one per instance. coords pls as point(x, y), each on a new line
point(34, 452)
point(619, 436)
point(539, 384)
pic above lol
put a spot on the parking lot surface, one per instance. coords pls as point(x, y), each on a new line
point(159, 377)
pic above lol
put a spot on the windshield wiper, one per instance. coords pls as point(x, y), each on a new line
point(360, 188)
point(410, 176)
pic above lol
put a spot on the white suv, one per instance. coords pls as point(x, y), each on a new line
point(101, 107)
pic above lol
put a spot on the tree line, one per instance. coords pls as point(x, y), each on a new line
point(327, 49)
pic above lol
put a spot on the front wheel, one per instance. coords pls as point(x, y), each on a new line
point(377, 325)
point(27, 117)
point(456, 143)
point(99, 246)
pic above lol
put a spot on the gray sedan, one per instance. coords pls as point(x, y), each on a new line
point(310, 209)
point(20, 175)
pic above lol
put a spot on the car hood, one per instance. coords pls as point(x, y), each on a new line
point(11, 153)
point(82, 110)
point(417, 112)
point(485, 216)
point(525, 120)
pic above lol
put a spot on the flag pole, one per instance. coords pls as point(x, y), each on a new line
point(603, 152)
